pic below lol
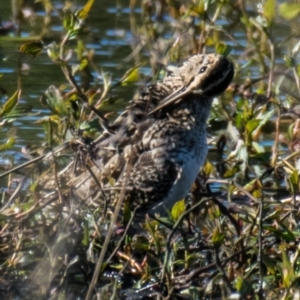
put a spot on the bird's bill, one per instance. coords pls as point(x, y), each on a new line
point(180, 93)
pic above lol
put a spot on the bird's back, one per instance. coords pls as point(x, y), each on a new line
point(159, 142)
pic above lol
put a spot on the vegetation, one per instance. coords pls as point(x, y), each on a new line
point(238, 235)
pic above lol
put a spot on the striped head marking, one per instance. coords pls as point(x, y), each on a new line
point(210, 74)
point(205, 74)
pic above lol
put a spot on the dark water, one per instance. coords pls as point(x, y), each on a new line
point(111, 40)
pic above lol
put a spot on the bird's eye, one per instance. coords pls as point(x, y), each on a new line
point(203, 69)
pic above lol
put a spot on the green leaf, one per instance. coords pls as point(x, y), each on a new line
point(282, 232)
point(86, 235)
point(70, 21)
point(270, 9)
point(178, 209)
point(19, 111)
point(257, 194)
point(83, 64)
point(53, 51)
point(293, 182)
point(32, 48)
point(287, 268)
point(91, 125)
point(73, 33)
point(223, 49)
point(131, 76)
point(10, 142)
point(258, 148)
point(140, 243)
point(239, 283)
point(252, 125)
point(289, 61)
point(294, 177)
point(127, 213)
point(217, 237)
point(54, 100)
point(47, 5)
point(83, 13)
point(270, 263)
point(231, 172)
point(244, 287)
point(208, 168)
point(10, 104)
point(289, 10)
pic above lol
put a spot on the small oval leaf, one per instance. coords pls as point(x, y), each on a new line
point(83, 13)
point(289, 11)
point(132, 75)
point(32, 48)
point(10, 104)
point(9, 143)
point(178, 209)
point(252, 125)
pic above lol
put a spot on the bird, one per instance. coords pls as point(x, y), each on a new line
point(156, 147)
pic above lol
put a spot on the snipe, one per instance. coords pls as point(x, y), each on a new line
point(159, 142)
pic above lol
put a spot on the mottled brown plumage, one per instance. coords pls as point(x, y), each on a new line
point(159, 142)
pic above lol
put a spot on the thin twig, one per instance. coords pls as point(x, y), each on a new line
point(60, 197)
point(260, 248)
point(17, 190)
point(276, 141)
point(62, 147)
point(123, 236)
point(170, 236)
point(272, 65)
point(108, 237)
point(221, 269)
point(182, 279)
point(83, 97)
point(98, 185)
